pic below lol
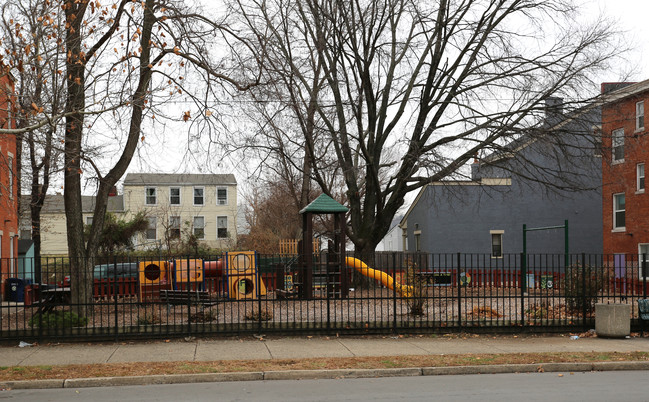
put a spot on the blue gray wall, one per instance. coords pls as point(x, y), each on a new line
point(458, 216)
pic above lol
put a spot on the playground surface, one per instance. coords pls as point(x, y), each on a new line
point(254, 357)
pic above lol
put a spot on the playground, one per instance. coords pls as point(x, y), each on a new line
point(244, 292)
point(306, 289)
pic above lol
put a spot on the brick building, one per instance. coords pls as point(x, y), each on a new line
point(8, 185)
point(625, 152)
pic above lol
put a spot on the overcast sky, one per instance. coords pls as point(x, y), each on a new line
point(632, 18)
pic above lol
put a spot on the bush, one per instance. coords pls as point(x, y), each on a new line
point(582, 287)
point(148, 318)
point(255, 315)
point(203, 316)
point(416, 300)
point(58, 319)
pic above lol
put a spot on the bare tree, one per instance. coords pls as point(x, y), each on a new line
point(119, 47)
point(31, 32)
point(437, 83)
point(124, 63)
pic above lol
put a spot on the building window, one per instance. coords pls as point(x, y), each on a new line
point(89, 220)
point(151, 230)
point(151, 197)
point(639, 116)
point(10, 160)
point(640, 177)
point(643, 259)
point(618, 145)
point(222, 227)
point(25, 234)
point(199, 195)
point(417, 234)
point(174, 227)
point(618, 211)
point(199, 227)
point(496, 243)
point(222, 196)
point(174, 195)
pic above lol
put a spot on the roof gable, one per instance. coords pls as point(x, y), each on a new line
point(179, 179)
point(324, 205)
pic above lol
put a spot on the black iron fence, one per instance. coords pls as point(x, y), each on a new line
point(248, 293)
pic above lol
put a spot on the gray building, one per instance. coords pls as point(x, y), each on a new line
point(541, 179)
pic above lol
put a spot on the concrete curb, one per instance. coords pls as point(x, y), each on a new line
point(33, 384)
point(162, 379)
point(344, 373)
point(323, 374)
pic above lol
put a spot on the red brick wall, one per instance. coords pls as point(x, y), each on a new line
point(8, 201)
point(621, 177)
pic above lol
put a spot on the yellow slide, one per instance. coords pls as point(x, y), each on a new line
point(385, 279)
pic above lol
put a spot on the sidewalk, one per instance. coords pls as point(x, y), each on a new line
point(313, 347)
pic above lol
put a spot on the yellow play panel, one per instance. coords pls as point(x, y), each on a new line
point(243, 276)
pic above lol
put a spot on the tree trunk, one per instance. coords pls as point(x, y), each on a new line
point(81, 287)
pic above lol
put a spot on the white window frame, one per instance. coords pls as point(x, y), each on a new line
point(617, 228)
point(194, 227)
point(10, 161)
point(146, 195)
point(179, 195)
point(500, 235)
point(617, 142)
point(153, 225)
point(640, 253)
point(218, 219)
point(640, 177)
point(639, 116)
point(173, 227)
point(218, 200)
point(194, 195)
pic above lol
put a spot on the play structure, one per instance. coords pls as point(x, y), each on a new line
point(236, 274)
point(243, 275)
point(329, 271)
point(385, 279)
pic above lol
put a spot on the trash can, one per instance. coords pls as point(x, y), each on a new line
point(16, 289)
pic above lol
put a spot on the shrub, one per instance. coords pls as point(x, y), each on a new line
point(255, 315)
point(58, 319)
point(148, 318)
point(416, 300)
point(203, 316)
point(582, 286)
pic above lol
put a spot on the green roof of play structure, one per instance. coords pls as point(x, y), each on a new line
point(324, 205)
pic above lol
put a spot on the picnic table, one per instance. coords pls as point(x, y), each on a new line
point(52, 297)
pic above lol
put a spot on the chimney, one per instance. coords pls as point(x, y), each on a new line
point(475, 170)
point(553, 109)
point(614, 86)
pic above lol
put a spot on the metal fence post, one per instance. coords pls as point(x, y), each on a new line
point(188, 284)
point(258, 294)
point(643, 264)
point(523, 281)
point(116, 289)
point(394, 293)
point(583, 290)
point(459, 291)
